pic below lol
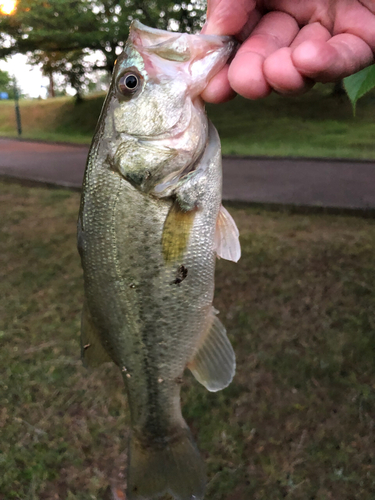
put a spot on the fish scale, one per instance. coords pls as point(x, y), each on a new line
point(147, 236)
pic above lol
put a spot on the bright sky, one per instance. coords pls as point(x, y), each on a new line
point(29, 78)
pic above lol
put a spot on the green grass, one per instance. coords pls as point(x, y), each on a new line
point(314, 125)
point(59, 119)
point(298, 420)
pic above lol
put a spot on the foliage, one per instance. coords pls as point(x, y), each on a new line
point(70, 65)
point(6, 84)
point(59, 33)
point(359, 84)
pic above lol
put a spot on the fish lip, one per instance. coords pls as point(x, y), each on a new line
point(196, 51)
point(162, 136)
point(136, 26)
point(173, 133)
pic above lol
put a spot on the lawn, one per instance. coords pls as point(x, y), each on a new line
point(314, 125)
point(296, 423)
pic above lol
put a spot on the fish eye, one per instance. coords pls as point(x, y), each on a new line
point(129, 83)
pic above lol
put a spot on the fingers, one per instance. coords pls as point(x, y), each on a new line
point(281, 74)
point(313, 31)
point(279, 69)
point(327, 61)
point(277, 55)
point(246, 76)
point(218, 89)
point(227, 18)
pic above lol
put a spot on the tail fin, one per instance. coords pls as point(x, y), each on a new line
point(175, 468)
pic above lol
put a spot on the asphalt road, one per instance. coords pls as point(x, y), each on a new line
point(304, 182)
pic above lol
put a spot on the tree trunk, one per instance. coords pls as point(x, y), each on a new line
point(51, 90)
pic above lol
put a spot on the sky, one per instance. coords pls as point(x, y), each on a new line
point(29, 78)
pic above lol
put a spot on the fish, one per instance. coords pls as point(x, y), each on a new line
point(150, 227)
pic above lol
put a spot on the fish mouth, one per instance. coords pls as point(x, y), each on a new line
point(180, 127)
point(197, 57)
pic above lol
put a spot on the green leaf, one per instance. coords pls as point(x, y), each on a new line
point(359, 84)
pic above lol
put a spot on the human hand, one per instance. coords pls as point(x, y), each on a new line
point(288, 45)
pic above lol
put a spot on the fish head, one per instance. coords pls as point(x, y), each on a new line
point(158, 79)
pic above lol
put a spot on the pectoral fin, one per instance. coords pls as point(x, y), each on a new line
point(176, 232)
point(227, 243)
point(92, 351)
point(214, 363)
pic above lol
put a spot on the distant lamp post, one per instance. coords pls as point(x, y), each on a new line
point(7, 7)
point(17, 108)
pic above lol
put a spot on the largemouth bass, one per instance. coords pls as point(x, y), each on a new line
point(150, 227)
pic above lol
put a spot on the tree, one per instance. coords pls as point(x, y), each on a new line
point(6, 84)
point(65, 30)
point(70, 65)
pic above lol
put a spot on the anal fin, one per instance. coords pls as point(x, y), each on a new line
point(92, 352)
point(227, 244)
point(214, 363)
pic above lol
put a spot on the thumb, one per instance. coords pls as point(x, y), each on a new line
point(227, 17)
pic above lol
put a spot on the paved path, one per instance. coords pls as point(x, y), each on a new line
point(328, 183)
point(53, 163)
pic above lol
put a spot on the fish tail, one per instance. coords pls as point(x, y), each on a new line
point(175, 468)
